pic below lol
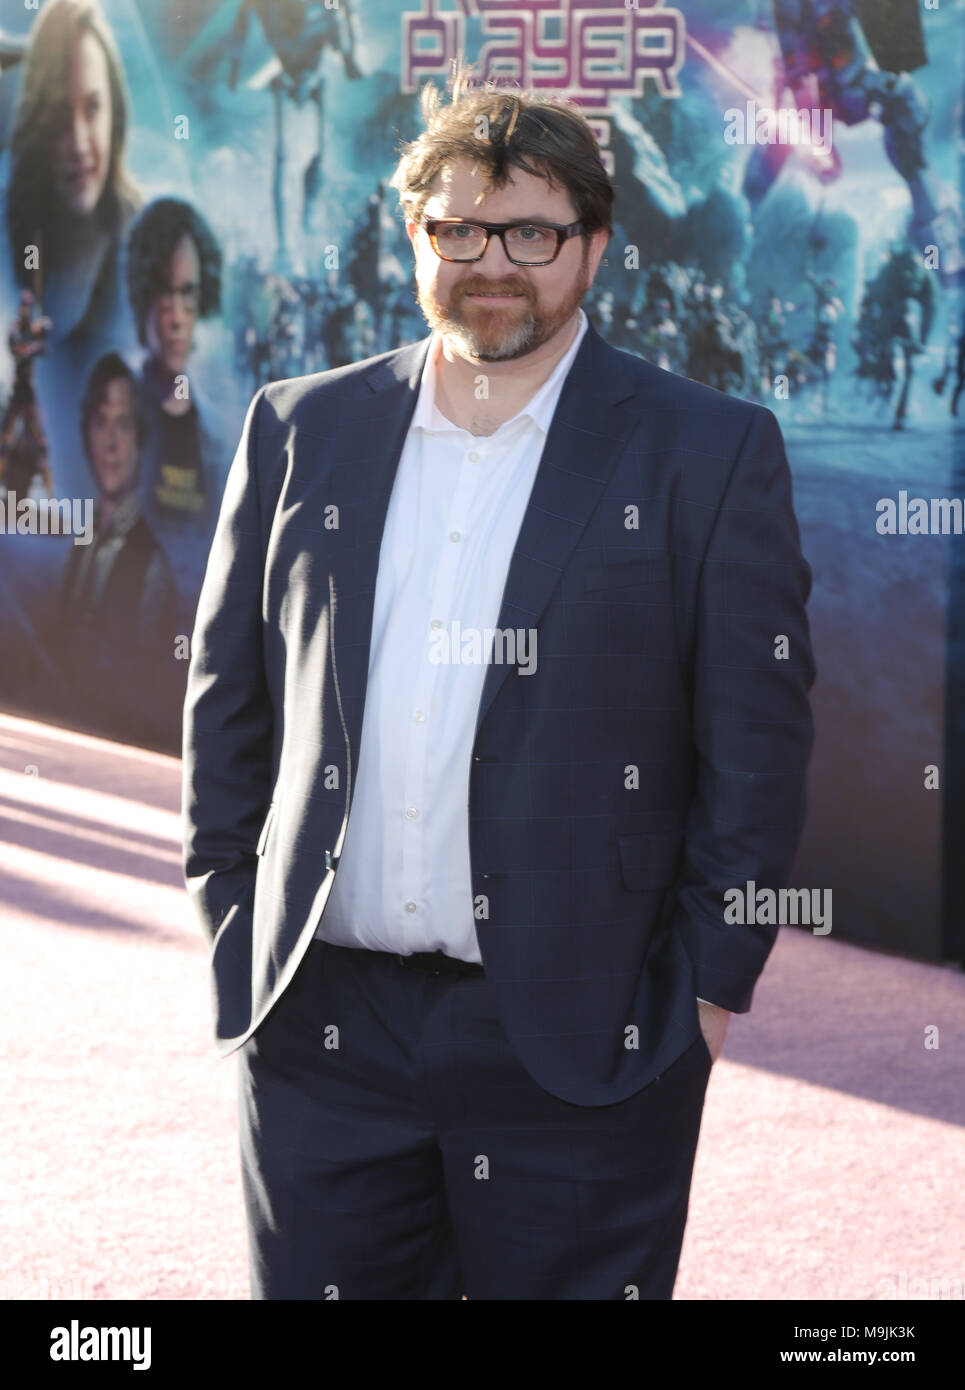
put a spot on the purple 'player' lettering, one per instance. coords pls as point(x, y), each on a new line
point(587, 48)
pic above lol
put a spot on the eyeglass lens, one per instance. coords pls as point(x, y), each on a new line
point(464, 241)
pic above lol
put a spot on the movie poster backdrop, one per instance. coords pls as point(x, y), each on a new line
point(194, 201)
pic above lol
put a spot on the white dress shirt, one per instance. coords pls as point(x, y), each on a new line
point(403, 882)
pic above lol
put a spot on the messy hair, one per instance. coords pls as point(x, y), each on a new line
point(499, 128)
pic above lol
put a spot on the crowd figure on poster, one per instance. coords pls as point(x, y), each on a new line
point(781, 352)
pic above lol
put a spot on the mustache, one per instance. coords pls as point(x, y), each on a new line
point(487, 287)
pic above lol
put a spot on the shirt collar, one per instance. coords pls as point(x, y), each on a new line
point(539, 407)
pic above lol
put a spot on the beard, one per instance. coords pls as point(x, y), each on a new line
point(504, 331)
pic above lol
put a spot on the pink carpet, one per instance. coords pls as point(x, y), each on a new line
point(831, 1153)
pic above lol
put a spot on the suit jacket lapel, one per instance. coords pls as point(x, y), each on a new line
point(370, 429)
point(585, 440)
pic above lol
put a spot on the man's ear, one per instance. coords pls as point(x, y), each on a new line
point(598, 244)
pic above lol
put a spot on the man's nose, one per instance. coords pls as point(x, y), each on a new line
point(494, 258)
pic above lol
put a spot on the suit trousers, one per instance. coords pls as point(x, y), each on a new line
point(394, 1147)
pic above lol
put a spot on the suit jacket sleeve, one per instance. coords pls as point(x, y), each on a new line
point(228, 714)
point(751, 717)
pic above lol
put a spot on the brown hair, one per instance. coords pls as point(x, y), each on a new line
point(110, 367)
point(518, 125)
point(30, 205)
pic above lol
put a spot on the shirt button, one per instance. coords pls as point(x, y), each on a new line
point(473, 456)
point(410, 907)
point(436, 622)
point(411, 813)
point(420, 716)
point(455, 536)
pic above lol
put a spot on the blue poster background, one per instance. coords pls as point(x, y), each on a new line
point(819, 287)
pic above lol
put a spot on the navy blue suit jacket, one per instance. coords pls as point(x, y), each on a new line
point(656, 757)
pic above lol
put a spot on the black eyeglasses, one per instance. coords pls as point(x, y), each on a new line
point(525, 243)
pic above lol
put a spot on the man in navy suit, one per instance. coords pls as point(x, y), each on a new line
point(499, 683)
